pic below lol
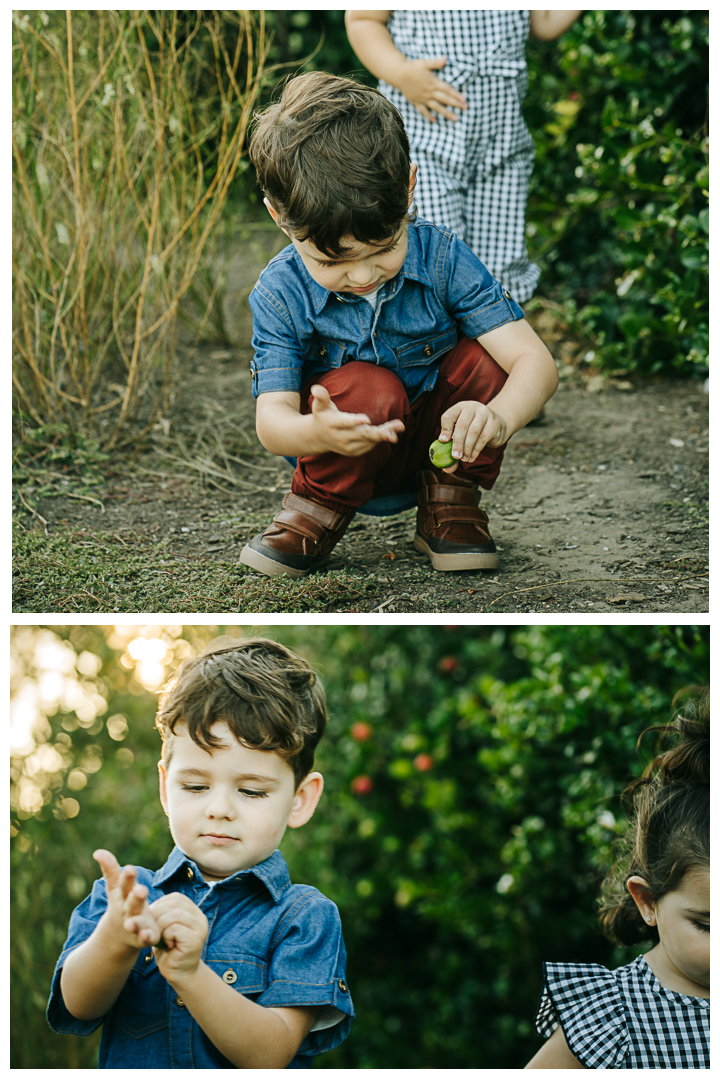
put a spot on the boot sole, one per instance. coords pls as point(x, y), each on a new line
point(467, 560)
point(250, 557)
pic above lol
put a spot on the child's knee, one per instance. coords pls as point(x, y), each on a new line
point(366, 388)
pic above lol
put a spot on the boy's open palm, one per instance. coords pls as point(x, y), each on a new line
point(184, 929)
point(349, 434)
point(127, 910)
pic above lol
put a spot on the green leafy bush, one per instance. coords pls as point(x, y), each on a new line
point(618, 211)
point(472, 796)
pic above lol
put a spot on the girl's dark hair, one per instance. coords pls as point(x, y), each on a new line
point(269, 697)
point(333, 159)
point(668, 835)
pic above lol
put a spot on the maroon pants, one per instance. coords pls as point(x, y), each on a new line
point(467, 373)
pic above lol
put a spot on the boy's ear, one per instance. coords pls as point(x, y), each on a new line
point(163, 786)
point(640, 892)
point(306, 799)
point(274, 215)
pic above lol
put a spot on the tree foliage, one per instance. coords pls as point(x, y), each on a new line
point(472, 796)
point(619, 201)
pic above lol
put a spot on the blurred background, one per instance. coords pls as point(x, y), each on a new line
point(473, 777)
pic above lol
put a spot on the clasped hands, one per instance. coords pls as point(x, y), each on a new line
point(470, 424)
point(173, 919)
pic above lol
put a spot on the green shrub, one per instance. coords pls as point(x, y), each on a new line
point(618, 211)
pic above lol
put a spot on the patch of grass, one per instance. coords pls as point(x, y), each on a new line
point(687, 565)
point(52, 455)
point(85, 571)
point(696, 513)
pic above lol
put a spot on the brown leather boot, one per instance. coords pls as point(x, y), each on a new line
point(300, 539)
point(451, 528)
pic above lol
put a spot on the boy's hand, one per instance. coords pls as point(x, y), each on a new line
point(184, 928)
point(425, 91)
point(349, 434)
point(472, 426)
point(127, 911)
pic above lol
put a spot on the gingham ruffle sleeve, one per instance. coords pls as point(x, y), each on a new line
point(586, 1000)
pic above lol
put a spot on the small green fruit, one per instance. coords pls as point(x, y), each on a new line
point(441, 454)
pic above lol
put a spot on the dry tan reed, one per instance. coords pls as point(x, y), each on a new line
point(128, 129)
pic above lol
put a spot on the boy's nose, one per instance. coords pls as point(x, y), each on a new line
point(220, 807)
point(361, 275)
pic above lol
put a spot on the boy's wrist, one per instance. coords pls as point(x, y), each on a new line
point(188, 979)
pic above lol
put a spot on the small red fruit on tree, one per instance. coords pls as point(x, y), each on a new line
point(361, 785)
point(423, 762)
point(361, 731)
point(449, 663)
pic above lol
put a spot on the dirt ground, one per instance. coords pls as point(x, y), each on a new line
point(602, 507)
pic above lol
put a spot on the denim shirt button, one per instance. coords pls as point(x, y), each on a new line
point(179, 1002)
point(189, 872)
point(229, 977)
point(323, 351)
point(343, 986)
point(427, 351)
point(507, 295)
point(148, 958)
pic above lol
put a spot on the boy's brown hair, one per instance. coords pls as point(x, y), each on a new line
point(333, 159)
point(269, 697)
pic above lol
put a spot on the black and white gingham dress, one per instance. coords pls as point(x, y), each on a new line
point(624, 1019)
point(473, 172)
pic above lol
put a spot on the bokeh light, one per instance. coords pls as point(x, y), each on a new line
point(51, 677)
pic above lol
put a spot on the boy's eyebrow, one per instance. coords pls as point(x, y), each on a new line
point(239, 776)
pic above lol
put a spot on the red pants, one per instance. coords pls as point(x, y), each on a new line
point(467, 373)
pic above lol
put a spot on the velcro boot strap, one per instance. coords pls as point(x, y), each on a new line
point(444, 493)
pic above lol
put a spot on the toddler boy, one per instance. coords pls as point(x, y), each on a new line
point(216, 961)
point(374, 333)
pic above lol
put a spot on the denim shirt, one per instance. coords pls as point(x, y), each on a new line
point(301, 329)
point(277, 943)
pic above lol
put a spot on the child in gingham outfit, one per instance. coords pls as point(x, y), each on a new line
point(473, 167)
point(653, 1013)
point(624, 1019)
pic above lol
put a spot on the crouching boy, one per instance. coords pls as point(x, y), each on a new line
point(375, 334)
point(216, 960)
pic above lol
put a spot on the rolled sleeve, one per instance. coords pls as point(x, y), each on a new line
point(83, 921)
point(475, 299)
point(308, 968)
point(278, 360)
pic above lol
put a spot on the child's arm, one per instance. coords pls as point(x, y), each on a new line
point(532, 380)
point(370, 38)
point(555, 1054)
point(284, 430)
point(249, 1035)
point(94, 974)
point(548, 25)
